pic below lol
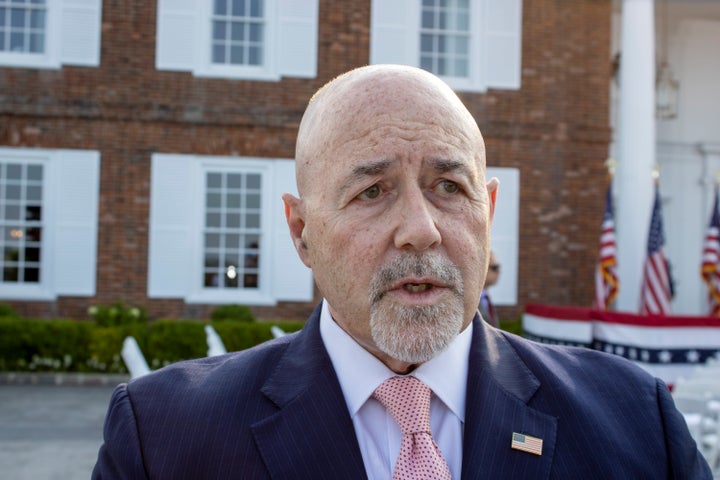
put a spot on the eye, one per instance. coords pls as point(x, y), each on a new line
point(370, 193)
point(448, 186)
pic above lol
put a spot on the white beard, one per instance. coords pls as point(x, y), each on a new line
point(415, 334)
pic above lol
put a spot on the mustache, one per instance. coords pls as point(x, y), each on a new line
point(431, 266)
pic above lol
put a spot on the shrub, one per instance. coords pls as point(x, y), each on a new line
point(74, 346)
point(117, 314)
point(238, 313)
point(7, 311)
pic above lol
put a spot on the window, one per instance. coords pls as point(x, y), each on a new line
point(445, 37)
point(49, 33)
point(233, 233)
point(247, 39)
point(22, 26)
point(218, 232)
point(238, 32)
point(21, 226)
point(48, 223)
point(472, 44)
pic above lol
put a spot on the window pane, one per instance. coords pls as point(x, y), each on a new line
point(212, 260)
point(33, 214)
point(219, 30)
point(218, 53)
point(220, 7)
point(252, 221)
point(232, 240)
point(212, 240)
point(32, 275)
point(238, 31)
point(256, 32)
point(37, 19)
point(250, 281)
point(11, 254)
point(238, 8)
point(255, 57)
point(234, 180)
point(253, 181)
point(12, 212)
point(212, 220)
point(33, 234)
point(12, 192)
point(232, 220)
point(32, 254)
point(237, 55)
point(14, 171)
point(233, 200)
point(253, 201)
point(10, 274)
point(214, 180)
point(252, 241)
point(212, 200)
point(428, 19)
point(17, 17)
point(256, 8)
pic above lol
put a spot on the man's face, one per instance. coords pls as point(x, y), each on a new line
point(394, 226)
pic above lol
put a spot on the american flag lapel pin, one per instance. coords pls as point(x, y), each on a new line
point(526, 443)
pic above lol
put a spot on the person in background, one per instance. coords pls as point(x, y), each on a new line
point(487, 309)
point(395, 375)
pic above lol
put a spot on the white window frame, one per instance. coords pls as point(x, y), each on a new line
point(49, 57)
point(262, 295)
point(176, 242)
point(43, 288)
point(72, 37)
point(267, 71)
point(68, 262)
point(184, 40)
point(495, 41)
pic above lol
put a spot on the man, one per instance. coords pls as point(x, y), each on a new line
point(393, 216)
point(486, 307)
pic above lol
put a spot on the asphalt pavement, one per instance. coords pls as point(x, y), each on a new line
point(51, 426)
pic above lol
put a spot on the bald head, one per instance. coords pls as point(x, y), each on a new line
point(350, 106)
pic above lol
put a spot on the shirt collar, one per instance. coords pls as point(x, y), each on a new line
point(360, 373)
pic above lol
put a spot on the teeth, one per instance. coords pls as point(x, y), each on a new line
point(417, 287)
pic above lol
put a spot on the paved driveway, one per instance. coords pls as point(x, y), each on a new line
point(51, 431)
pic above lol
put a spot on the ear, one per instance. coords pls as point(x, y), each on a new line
point(294, 214)
point(492, 186)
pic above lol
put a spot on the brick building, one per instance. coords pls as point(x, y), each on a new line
point(144, 145)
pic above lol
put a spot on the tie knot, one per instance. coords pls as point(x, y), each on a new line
point(408, 401)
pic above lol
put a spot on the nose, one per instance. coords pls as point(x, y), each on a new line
point(415, 228)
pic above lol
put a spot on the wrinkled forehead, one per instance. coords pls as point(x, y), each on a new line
point(364, 107)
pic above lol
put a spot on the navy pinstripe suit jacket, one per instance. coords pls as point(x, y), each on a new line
point(277, 411)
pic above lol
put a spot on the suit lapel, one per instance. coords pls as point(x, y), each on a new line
point(498, 393)
point(311, 413)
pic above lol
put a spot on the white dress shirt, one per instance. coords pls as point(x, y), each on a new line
point(379, 437)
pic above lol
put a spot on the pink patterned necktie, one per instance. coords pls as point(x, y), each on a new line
point(408, 401)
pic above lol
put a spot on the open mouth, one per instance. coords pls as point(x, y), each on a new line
point(417, 287)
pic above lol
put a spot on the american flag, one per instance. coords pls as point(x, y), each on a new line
point(526, 443)
point(606, 280)
point(656, 293)
point(711, 260)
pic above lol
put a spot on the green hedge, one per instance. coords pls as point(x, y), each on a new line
point(74, 346)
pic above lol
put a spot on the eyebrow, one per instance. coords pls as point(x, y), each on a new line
point(369, 170)
point(381, 166)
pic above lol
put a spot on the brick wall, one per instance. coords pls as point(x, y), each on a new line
point(555, 130)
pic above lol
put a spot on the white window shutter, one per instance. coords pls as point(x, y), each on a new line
point(176, 39)
point(172, 197)
point(80, 32)
point(395, 32)
point(292, 280)
point(503, 43)
point(76, 196)
point(298, 38)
